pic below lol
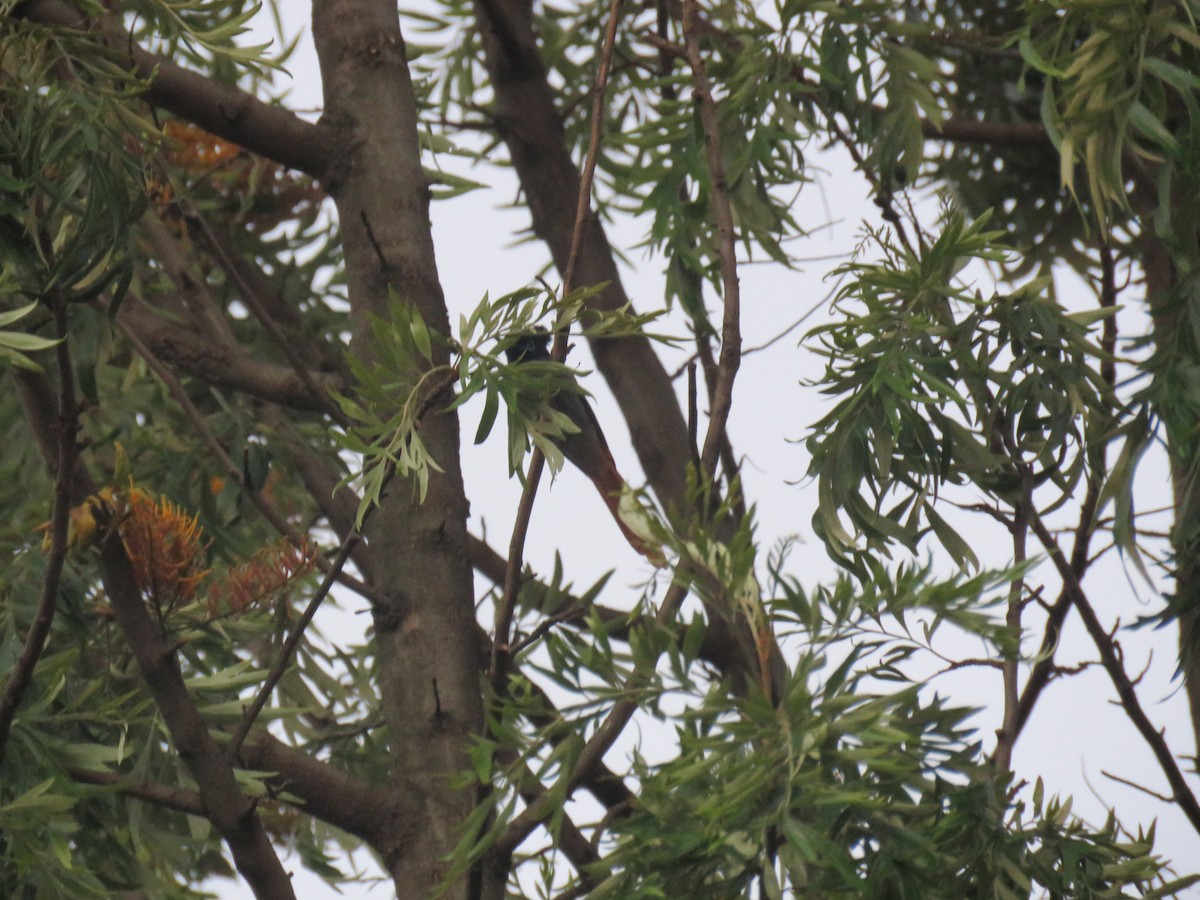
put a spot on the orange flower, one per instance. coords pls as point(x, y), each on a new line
point(264, 576)
point(165, 546)
point(195, 149)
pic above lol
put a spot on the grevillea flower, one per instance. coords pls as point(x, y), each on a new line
point(165, 546)
point(261, 578)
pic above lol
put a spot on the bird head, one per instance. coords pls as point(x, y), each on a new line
point(529, 347)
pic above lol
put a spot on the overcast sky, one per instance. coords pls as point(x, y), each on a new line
point(1076, 732)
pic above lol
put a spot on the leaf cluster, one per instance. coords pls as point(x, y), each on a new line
point(846, 792)
point(71, 166)
point(205, 33)
point(935, 384)
point(405, 379)
point(843, 790)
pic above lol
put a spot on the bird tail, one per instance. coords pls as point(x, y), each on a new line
point(612, 488)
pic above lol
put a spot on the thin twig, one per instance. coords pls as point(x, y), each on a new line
point(731, 326)
point(502, 653)
point(1137, 787)
point(971, 663)
point(598, 744)
point(291, 642)
point(250, 297)
point(584, 201)
point(729, 463)
point(569, 614)
point(1109, 657)
point(577, 848)
point(505, 611)
point(1087, 525)
point(68, 451)
point(693, 415)
point(1007, 735)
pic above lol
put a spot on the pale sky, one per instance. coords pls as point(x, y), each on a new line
point(1076, 732)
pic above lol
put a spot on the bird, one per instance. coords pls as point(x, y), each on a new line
point(739, 606)
point(586, 448)
point(87, 523)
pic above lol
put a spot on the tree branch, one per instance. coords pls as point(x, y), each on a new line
point(176, 798)
point(730, 356)
point(66, 427)
point(224, 366)
point(597, 745)
point(231, 812)
point(532, 129)
point(425, 627)
point(1010, 669)
point(220, 108)
point(192, 301)
point(1181, 793)
point(715, 649)
point(1085, 528)
point(258, 307)
point(512, 576)
point(378, 814)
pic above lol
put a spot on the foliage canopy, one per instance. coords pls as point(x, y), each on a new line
point(234, 381)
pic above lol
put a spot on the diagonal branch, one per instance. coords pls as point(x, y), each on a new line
point(231, 812)
point(716, 648)
point(1110, 659)
point(223, 109)
point(321, 478)
point(597, 745)
point(1010, 670)
point(65, 430)
point(370, 811)
point(516, 549)
point(225, 366)
point(1085, 528)
point(531, 126)
point(730, 357)
point(258, 307)
point(192, 301)
point(771, 667)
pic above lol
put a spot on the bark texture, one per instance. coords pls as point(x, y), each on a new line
point(417, 552)
point(1161, 282)
point(532, 129)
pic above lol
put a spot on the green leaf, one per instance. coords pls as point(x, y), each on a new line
point(420, 334)
point(1037, 61)
point(959, 550)
point(491, 406)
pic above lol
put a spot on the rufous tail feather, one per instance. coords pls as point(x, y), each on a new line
point(611, 486)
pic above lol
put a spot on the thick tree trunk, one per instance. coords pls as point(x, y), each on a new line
point(533, 132)
point(425, 625)
point(1182, 448)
